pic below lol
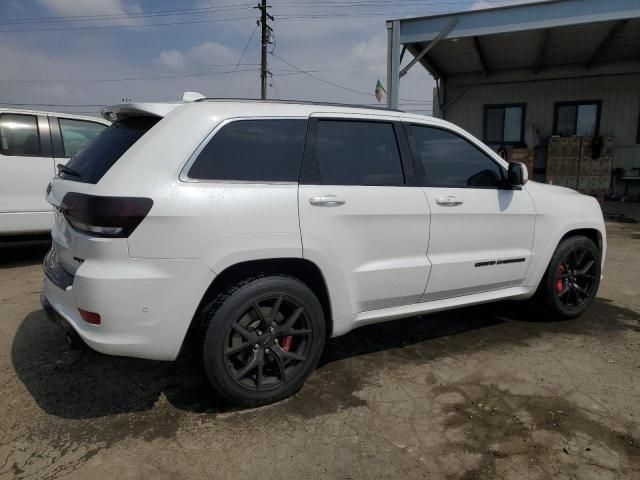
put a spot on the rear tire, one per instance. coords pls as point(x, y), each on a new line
point(263, 337)
point(572, 278)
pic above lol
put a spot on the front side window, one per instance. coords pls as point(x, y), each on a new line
point(19, 135)
point(268, 150)
point(449, 160)
point(577, 118)
point(77, 133)
point(504, 124)
point(357, 153)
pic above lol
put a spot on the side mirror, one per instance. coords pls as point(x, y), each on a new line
point(517, 174)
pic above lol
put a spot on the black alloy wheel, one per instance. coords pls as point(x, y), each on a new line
point(572, 278)
point(576, 277)
point(268, 343)
point(262, 338)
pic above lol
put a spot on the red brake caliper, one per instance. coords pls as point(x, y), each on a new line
point(560, 282)
point(286, 343)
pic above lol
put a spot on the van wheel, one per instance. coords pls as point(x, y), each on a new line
point(572, 278)
point(262, 338)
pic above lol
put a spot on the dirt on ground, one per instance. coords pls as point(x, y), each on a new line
point(491, 392)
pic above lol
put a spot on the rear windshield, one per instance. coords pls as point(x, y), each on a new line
point(99, 155)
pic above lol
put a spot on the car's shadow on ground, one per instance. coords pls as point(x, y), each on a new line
point(23, 253)
point(99, 385)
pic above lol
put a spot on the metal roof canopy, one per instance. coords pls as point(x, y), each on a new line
point(532, 37)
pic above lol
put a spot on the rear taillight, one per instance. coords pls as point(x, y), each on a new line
point(105, 216)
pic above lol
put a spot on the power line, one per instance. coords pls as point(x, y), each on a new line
point(130, 79)
point(231, 7)
point(368, 94)
point(120, 16)
point(107, 27)
point(241, 56)
point(194, 11)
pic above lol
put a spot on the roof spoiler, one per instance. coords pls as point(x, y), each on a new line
point(126, 110)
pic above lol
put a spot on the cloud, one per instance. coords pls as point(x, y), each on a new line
point(199, 58)
point(72, 8)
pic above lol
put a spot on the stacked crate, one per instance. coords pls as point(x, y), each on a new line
point(523, 155)
point(595, 173)
point(563, 160)
point(570, 163)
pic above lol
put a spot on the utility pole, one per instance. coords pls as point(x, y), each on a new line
point(266, 34)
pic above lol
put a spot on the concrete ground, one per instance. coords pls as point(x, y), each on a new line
point(491, 392)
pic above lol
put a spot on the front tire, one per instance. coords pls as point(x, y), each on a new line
point(572, 278)
point(262, 339)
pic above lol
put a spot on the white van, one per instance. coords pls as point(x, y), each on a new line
point(32, 144)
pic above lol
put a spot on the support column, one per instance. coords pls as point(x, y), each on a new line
point(393, 63)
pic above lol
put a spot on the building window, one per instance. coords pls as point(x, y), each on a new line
point(577, 118)
point(504, 124)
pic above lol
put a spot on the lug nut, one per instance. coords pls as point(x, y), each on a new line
point(266, 350)
point(275, 341)
point(270, 329)
point(259, 333)
point(256, 346)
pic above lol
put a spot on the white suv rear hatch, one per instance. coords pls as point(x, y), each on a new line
point(87, 224)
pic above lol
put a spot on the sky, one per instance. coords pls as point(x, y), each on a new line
point(77, 55)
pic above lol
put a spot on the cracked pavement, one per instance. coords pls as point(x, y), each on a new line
point(489, 392)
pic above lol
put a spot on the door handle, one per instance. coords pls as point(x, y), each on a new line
point(449, 201)
point(326, 201)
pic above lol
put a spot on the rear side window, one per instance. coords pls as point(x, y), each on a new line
point(19, 135)
point(77, 133)
point(357, 153)
point(93, 161)
point(451, 161)
point(253, 151)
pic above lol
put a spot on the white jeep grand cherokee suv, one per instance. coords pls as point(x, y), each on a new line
point(262, 228)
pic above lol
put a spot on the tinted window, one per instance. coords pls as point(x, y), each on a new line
point(254, 151)
point(357, 153)
point(77, 133)
point(19, 135)
point(451, 161)
point(93, 161)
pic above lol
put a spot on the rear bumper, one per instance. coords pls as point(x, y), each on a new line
point(146, 306)
point(60, 321)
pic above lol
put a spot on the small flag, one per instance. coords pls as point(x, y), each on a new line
point(380, 91)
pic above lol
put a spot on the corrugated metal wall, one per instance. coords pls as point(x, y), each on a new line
point(620, 96)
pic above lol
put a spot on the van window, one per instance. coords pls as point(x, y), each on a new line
point(267, 150)
point(449, 160)
point(93, 161)
point(19, 135)
point(77, 133)
point(357, 153)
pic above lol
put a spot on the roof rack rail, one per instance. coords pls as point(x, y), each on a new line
point(298, 102)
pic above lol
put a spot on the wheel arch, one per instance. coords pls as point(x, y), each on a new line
point(591, 233)
point(302, 269)
point(592, 230)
